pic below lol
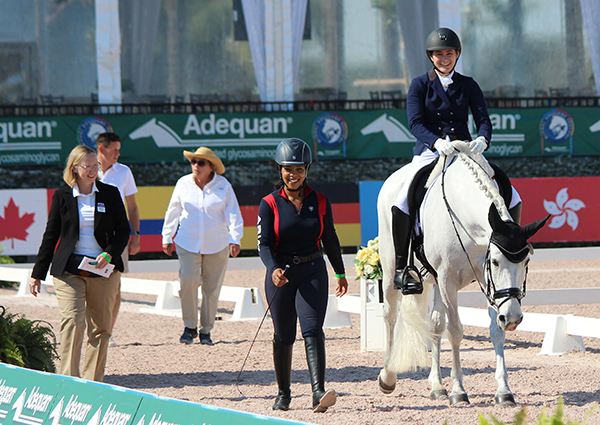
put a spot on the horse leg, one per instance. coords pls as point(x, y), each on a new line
point(458, 396)
point(504, 397)
point(438, 325)
point(387, 379)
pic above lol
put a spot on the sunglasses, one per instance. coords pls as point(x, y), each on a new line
point(199, 162)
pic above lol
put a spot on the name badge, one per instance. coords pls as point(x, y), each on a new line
point(101, 208)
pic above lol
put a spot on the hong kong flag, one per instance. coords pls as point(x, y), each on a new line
point(572, 202)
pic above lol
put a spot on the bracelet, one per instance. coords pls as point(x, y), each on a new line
point(339, 276)
point(105, 255)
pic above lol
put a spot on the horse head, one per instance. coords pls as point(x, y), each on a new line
point(505, 268)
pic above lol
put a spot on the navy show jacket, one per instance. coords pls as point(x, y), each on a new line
point(434, 113)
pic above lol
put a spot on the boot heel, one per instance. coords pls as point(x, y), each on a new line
point(324, 401)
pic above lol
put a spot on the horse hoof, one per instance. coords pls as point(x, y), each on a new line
point(459, 399)
point(507, 400)
point(438, 395)
point(385, 388)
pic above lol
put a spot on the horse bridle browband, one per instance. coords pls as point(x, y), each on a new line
point(492, 296)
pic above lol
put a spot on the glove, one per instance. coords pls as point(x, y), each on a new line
point(478, 145)
point(444, 147)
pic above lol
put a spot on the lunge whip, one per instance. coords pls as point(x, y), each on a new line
point(237, 381)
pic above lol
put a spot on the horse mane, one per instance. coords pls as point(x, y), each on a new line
point(482, 173)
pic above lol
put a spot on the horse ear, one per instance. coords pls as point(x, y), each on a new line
point(495, 220)
point(531, 229)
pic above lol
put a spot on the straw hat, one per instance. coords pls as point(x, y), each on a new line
point(208, 155)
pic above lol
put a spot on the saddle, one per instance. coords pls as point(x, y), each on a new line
point(416, 195)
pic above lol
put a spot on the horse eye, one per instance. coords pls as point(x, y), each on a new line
point(495, 263)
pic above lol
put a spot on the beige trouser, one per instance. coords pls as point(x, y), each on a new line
point(85, 300)
point(208, 271)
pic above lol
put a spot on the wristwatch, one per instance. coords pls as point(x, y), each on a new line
point(135, 232)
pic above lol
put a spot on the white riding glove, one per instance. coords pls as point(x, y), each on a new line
point(478, 145)
point(444, 147)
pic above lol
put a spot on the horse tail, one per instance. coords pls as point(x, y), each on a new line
point(411, 335)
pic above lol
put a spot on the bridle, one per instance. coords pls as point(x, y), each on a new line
point(490, 291)
point(488, 287)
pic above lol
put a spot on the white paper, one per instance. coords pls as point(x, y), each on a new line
point(86, 264)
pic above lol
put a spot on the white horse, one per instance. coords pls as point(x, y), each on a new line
point(468, 236)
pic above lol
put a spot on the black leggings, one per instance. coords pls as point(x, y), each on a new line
point(304, 296)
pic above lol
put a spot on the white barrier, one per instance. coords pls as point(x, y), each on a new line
point(368, 305)
point(22, 275)
point(248, 301)
point(339, 309)
point(562, 332)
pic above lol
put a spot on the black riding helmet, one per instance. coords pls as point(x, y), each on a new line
point(293, 152)
point(442, 39)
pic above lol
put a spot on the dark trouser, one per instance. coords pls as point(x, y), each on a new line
point(304, 297)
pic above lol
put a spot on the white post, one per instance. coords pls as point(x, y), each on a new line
point(108, 51)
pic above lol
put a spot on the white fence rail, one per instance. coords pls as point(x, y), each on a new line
point(248, 301)
point(562, 332)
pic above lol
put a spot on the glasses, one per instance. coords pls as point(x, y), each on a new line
point(90, 167)
point(199, 162)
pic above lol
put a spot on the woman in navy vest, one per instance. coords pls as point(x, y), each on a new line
point(437, 106)
point(293, 222)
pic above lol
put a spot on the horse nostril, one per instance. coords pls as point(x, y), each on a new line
point(520, 320)
point(502, 318)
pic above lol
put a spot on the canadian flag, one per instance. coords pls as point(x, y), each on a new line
point(23, 216)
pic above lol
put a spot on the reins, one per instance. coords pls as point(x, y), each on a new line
point(505, 294)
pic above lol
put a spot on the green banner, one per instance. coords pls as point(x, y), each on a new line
point(29, 397)
point(253, 137)
point(24, 399)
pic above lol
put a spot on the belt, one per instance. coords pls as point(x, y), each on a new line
point(297, 259)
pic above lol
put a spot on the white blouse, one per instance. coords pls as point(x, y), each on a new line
point(205, 220)
point(86, 205)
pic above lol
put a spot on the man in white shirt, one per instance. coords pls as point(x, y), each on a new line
point(119, 175)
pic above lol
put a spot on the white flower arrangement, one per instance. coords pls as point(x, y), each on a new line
point(367, 263)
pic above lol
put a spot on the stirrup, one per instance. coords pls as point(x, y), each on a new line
point(411, 281)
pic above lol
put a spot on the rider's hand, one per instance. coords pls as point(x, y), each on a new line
point(478, 145)
point(278, 277)
point(444, 147)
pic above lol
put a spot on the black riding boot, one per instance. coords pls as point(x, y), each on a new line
point(403, 278)
point(315, 357)
point(282, 358)
point(515, 213)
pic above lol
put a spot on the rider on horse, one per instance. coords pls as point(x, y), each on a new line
point(437, 106)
